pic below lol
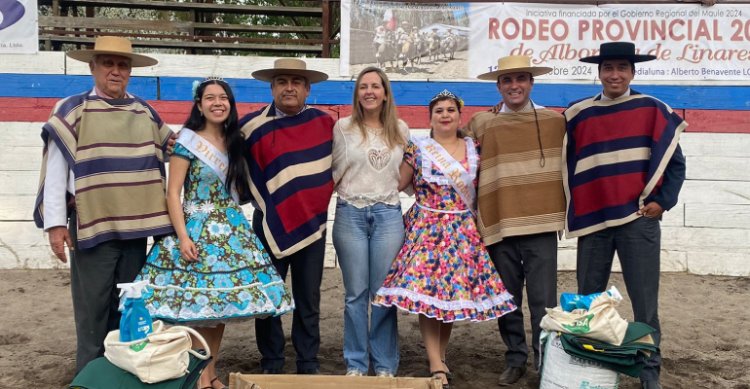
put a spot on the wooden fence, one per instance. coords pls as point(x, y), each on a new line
point(194, 27)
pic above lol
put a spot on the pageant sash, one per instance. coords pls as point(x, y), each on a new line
point(459, 178)
point(208, 154)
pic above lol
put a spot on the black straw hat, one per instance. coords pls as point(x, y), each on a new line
point(617, 50)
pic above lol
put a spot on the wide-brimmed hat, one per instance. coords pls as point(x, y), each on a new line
point(289, 66)
point(617, 50)
point(514, 64)
point(113, 45)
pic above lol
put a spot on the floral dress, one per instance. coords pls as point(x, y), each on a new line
point(443, 271)
point(233, 277)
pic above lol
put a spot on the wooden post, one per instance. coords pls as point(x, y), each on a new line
point(327, 24)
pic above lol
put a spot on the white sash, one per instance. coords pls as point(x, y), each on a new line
point(459, 178)
point(209, 154)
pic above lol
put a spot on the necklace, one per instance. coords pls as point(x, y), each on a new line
point(455, 148)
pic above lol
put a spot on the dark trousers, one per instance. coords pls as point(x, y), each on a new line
point(637, 244)
point(307, 273)
point(94, 275)
point(533, 259)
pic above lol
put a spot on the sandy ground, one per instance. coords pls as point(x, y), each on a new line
point(705, 322)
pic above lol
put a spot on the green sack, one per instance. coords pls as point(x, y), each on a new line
point(102, 374)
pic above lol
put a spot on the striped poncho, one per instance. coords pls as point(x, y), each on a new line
point(291, 182)
point(614, 156)
point(520, 192)
point(115, 148)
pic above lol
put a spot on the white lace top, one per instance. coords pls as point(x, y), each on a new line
point(365, 173)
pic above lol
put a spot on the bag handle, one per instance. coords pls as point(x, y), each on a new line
point(198, 337)
point(158, 327)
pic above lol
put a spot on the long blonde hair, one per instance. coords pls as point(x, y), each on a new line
point(388, 118)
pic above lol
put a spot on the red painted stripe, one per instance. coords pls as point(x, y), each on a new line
point(702, 120)
point(292, 211)
point(617, 125)
point(14, 109)
point(607, 192)
point(296, 138)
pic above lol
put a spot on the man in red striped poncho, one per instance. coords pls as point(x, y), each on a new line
point(289, 153)
point(622, 168)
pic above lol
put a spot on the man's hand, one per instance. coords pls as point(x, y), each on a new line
point(59, 237)
point(170, 143)
point(651, 210)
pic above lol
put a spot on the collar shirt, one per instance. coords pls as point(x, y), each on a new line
point(605, 98)
point(530, 106)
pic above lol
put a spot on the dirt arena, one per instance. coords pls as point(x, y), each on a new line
point(706, 335)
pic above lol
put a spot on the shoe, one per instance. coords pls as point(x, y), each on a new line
point(354, 373)
point(439, 374)
point(511, 375)
point(384, 373)
point(272, 371)
point(652, 384)
point(312, 370)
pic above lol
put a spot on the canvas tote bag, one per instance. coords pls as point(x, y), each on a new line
point(601, 322)
point(163, 355)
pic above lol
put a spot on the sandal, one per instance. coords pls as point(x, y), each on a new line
point(448, 373)
point(217, 379)
point(437, 373)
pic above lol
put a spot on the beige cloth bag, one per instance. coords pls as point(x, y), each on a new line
point(601, 322)
point(163, 355)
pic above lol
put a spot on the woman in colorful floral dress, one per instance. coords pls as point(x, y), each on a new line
point(443, 272)
point(214, 268)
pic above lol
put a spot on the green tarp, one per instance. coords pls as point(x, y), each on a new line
point(102, 374)
point(628, 358)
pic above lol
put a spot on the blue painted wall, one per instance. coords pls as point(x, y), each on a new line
point(405, 92)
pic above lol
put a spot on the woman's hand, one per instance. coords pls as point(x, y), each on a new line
point(188, 250)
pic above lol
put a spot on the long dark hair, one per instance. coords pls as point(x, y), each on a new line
point(237, 172)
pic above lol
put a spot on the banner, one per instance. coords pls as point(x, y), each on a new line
point(463, 40)
point(408, 40)
point(19, 31)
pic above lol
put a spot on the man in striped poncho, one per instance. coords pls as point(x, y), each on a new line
point(623, 168)
point(520, 202)
point(289, 153)
point(102, 186)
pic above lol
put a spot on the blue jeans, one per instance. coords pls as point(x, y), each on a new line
point(367, 241)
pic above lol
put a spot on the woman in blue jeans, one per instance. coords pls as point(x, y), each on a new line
point(368, 228)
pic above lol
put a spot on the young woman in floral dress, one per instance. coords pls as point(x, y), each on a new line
point(214, 268)
point(443, 272)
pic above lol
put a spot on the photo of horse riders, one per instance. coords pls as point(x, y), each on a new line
point(426, 41)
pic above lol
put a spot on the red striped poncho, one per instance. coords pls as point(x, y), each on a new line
point(291, 180)
point(614, 156)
